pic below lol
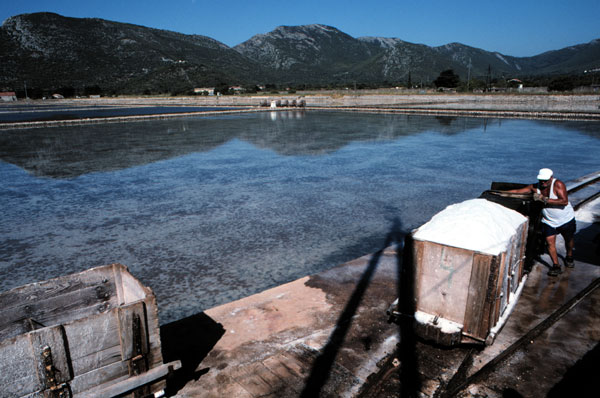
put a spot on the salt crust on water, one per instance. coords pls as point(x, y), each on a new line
point(475, 224)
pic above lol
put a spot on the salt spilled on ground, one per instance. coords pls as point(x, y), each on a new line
point(475, 224)
point(445, 325)
point(589, 213)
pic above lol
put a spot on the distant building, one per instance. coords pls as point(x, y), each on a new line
point(8, 96)
point(205, 90)
point(516, 83)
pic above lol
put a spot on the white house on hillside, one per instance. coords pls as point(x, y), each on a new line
point(207, 90)
point(8, 96)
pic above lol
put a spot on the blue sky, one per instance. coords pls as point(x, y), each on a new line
point(517, 28)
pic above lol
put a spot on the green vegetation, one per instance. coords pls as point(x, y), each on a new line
point(447, 79)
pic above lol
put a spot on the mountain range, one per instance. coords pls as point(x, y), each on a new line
point(46, 51)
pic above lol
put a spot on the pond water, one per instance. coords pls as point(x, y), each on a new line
point(28, 113)
point(207, 210)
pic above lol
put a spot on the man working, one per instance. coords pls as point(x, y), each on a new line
point(558, 216)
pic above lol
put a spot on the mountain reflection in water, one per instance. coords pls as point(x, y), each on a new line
point(65, 152)
point(208, 210)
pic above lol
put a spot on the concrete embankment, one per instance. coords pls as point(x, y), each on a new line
point(584, 104)
point(530, 106)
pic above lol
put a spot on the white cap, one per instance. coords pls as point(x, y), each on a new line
point(544, 174)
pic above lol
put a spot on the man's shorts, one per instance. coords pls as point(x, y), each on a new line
point(567, 230)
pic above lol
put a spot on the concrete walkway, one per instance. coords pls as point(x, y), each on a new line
point(324, 333)
point(327, 335)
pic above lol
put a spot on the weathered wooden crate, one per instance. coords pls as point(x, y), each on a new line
point(462, 295)
point(90, 334)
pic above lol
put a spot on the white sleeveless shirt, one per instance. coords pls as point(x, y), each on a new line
point(553, 215)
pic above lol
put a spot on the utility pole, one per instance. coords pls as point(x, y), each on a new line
point(468, 77)
point(26, 97)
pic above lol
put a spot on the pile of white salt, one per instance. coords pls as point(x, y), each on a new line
point(475, 224)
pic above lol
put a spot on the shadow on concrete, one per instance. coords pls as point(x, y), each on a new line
point(188, 340)
point(324, 363)
point(511, 393)
point(581, 380)
point(587, 245)
point(410, 381)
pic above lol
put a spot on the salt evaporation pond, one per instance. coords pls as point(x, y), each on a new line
point(209, 210)
point(10, 113)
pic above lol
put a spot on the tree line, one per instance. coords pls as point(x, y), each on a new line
point(447, 79)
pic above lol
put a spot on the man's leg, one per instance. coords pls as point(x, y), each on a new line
point(551, 241)
point(570, 245)
point(569, 262)
point(568, 232)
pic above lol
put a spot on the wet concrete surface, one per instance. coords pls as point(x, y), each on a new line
point(327, 335)
point(317, 336)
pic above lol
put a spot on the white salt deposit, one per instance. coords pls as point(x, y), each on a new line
point(475, 224)
point(588, 213)
point(445, 325)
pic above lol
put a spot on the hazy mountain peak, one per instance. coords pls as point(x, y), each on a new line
point(384, 42)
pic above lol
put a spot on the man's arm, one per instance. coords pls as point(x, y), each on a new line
point(561, 192)
point(527, 189)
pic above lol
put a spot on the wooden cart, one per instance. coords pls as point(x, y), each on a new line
point(462, 295)
point(90, 334)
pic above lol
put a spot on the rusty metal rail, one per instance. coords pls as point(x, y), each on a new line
point(454, 388)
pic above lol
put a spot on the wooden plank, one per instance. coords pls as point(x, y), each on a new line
point(475, 320)
point(89, 338)
point(286, 368)
point(126, 315)
point(524, 237)
point(104, 331)
point(509, 254)
point(18, 368)
point(153, 330)
point(37, 394)
point(118, 270)
point(504, 289)
point(417, 256)
point(97, 359)
point(518, 260)
point(133, 290)
point(444, 274)
point(112, 373)
point(57, 310)
point(44, 290)
point(499, 284)
point(490, 296)
point(115, 372)
point(131, 383)
point(53, 338)
point(257, 379)
point(513, 277)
